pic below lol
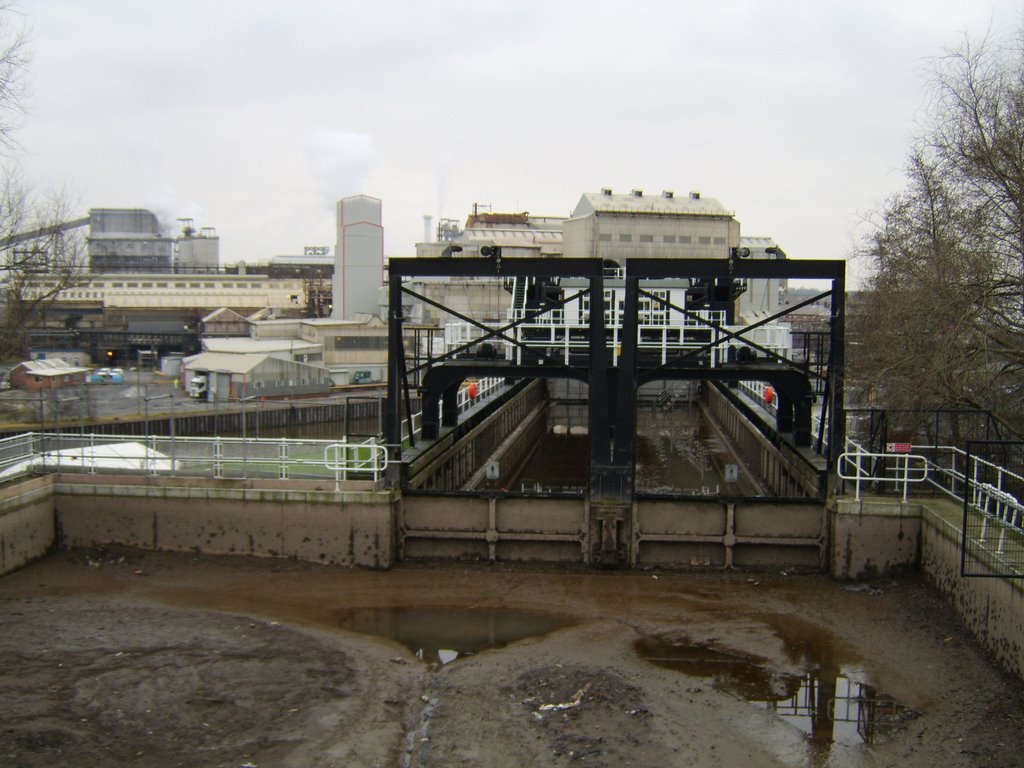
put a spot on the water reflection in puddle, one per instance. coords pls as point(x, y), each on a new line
point(441, 635)
point(829, 702)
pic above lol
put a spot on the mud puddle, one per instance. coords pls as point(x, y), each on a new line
point(829, 701)
point(442, 635)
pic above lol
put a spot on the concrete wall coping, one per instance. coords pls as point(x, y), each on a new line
point(224, 494)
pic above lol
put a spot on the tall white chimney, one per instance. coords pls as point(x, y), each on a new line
point(428, 228)
point(358, 257)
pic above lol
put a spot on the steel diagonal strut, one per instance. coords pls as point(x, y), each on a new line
point(491, 333)
point(613, 388)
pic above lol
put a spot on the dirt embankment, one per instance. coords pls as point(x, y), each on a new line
point(118, 657)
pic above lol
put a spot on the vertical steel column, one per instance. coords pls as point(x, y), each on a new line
point(783, 410)
point(624, 452)
point(396, 357)
point(612, 401)
point(836, 372)
point(613, 411)
point(600, 420)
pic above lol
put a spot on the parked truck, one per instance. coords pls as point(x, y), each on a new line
point(198, 386)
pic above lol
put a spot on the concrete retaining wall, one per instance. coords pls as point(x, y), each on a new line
point(724, 534)
point(786, 471)
point(874, 537)
point(665, 533)
point(347, 528)
point(493, 529)
point(27, 523)
point(880, 537)
point(992, 608)
point(450, 462)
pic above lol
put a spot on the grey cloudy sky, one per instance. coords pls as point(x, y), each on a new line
point(255, 117)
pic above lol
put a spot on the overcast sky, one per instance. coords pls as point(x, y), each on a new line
point(255, 117)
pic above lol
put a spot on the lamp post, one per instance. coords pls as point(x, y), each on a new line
point(42, 428)
point(147, 398)
point(60, 420)
point(212, 393)
point(245, 451)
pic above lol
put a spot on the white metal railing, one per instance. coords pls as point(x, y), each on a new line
point(217, 457)
point(998, 509)
point(485, 388)
point(901, 469)
point(561, 336)
point(461, 334)
point(368, 456)
point(944, 468)
point(758, 391)
point(993, 525)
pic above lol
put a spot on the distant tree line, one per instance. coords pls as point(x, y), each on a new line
point(940, 323)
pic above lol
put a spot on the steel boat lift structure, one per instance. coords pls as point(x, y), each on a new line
point(608, 345)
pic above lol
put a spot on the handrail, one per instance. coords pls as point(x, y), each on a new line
point(486, 387)
point(905, 472)
point(219, 457)
point(367, 456)
point(990, 499)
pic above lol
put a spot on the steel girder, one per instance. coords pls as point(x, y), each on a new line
point(613, 389)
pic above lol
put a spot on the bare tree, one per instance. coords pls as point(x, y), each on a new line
point(940, 324)
point(41, 251)
point(42, 254)
point(15, 57)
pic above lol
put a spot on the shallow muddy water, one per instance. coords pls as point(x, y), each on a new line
point(531, 665)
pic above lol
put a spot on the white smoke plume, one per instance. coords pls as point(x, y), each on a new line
point(341, 161)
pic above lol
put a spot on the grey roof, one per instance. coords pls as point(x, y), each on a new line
point(226, 362)
point(757, 241)
point(244, 344)
point(223, 361)
point(357, 320)
point(228, 313)
point(635, 202)
point(55, 367)
point(511, 236)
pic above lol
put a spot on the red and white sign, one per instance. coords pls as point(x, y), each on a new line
point(899, 447)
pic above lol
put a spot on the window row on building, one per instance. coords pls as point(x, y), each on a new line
point(606, 237)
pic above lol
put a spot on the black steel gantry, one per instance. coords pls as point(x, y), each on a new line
point(612, 400)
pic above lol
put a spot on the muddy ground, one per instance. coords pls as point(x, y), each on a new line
point(127, 658)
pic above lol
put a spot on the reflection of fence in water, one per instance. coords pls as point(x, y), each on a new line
point(841, 710)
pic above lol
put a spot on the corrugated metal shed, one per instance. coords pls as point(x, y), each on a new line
point(51, 368)
point(223, 361)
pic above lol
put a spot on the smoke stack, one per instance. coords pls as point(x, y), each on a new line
point(428, 229)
